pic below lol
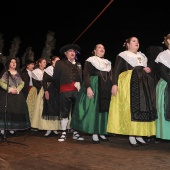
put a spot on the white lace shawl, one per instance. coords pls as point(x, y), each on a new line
point(100, 63)
point(164, 58)
point(37, 74)
point(132, 58)
point(49, 70)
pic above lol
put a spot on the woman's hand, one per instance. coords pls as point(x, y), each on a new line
point(114, 90)
point(147, 69)
point(13, 91)
point(90, 93)
point(47, 95)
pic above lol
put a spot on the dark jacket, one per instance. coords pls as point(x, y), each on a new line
point(65, 72)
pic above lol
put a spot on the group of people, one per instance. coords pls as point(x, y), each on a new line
point(99, 99)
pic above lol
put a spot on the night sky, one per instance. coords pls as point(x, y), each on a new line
point(31, 20)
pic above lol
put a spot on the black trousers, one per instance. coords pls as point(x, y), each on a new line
point(67, 102)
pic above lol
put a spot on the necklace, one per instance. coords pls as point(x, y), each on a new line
point(139, 59)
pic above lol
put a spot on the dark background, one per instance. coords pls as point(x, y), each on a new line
point(32, 19)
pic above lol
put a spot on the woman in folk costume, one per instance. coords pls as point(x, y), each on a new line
point(36, 92)
point(50, 114)
point(163, 92)
point(26, 74)
point(11, 97)
point(91, 109)
point(133, 107)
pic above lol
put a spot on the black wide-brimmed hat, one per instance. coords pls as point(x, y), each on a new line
point(29, 62)
point(68, 47)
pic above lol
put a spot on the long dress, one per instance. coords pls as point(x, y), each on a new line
point(30, 96)
point(51, 106)
point(37, 120)
point(90, 115)
point(133, 110)
point(163, 96)
point(13, 106)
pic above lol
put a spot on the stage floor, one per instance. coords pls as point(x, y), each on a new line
point(30, 150)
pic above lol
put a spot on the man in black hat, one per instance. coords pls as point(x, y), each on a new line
point(26, 75)
point(67, 79)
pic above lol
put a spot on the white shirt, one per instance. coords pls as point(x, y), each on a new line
point(30, 75)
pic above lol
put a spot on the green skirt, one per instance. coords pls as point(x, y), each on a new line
point(162, 125)
point(86, 116)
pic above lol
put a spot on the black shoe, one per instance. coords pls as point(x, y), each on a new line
point(55, 132)
point(12, 134)
point(152, 140)
point(77, 136)
point(47, 134)
point(96, 141)
point(62, 137)
point(141, 143)
point(104, 140)
point(134, 145)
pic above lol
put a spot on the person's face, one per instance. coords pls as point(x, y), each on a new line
point(30, 66)
point(13, 64)
point(55, 60)
point(168, 41)
point(70, 54)
point(133, 45)
point(100, 50)
point(43, 64)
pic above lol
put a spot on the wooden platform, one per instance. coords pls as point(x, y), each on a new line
point(32, 151)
